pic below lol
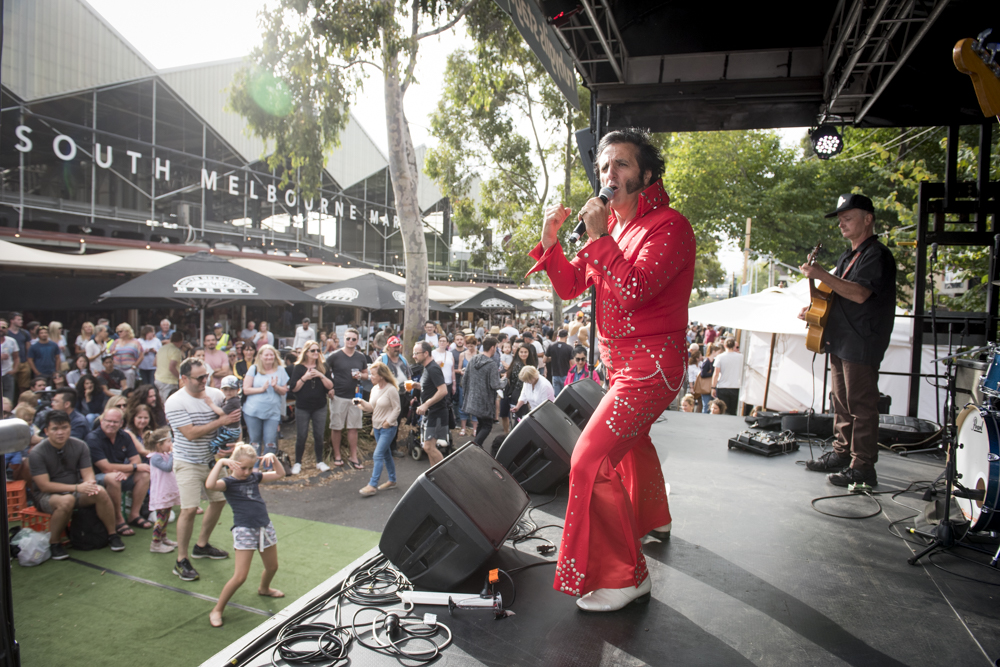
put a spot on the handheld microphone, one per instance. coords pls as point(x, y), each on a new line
point(605, 194)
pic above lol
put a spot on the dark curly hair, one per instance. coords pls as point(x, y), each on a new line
point(648, 155)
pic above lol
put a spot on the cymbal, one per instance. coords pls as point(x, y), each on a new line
point(961, 354)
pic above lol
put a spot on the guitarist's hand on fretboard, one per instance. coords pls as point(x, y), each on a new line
point(814, 271)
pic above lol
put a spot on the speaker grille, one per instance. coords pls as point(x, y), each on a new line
point(474, 481)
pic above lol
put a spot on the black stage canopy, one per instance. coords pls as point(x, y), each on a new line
point(673, 66)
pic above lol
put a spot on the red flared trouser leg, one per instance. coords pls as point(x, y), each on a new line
point(600, 546)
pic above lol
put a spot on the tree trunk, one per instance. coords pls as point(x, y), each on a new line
point(557, 303)
point(403, 171)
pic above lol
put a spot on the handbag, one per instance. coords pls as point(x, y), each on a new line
point(702, 385)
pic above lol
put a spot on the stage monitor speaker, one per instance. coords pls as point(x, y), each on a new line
point(580, 400)
point(537, 452)
point(452, 519)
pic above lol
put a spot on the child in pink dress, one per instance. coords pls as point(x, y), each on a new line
point(163, 492)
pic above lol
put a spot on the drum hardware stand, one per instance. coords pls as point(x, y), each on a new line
point(944, 532)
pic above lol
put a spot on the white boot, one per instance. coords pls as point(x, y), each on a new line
point(613, 599)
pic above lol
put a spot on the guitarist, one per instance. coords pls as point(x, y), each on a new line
point(856, 337)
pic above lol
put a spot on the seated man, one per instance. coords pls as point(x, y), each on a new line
point(113, 453)
point(63, 479)
point(65, 400)
point(111, 379)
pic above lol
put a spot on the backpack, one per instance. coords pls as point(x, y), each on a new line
point(707, 369)
point(87, 532)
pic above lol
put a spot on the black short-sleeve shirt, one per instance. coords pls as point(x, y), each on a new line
point(312, 396)
point(860, 332)
point(63, 465)
point(119, 451)
point(341, 365)
point(430, 380)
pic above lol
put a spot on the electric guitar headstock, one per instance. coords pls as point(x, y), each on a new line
point(979, 60)
point(815, 251)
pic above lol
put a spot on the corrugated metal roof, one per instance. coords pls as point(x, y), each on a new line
point(54, 47)
point(205, 88)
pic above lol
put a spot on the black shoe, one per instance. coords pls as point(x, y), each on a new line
point(183, 569)
point(850, 476)
point(115, 542)
point(208, 551)
point(57, 552)
point(829, 462)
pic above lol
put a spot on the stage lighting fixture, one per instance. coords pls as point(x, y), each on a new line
point(826, 141)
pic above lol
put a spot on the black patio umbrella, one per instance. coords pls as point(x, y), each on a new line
point(202, 281)
point(369, 291)
point(492, 300)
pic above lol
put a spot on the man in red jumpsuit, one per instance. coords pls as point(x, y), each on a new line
point(641, 258)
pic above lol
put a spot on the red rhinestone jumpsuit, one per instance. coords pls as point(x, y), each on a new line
point(616, 493)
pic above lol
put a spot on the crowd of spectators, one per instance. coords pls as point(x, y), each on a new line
point(99, 401)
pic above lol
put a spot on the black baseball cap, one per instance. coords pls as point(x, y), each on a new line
point(847, 202)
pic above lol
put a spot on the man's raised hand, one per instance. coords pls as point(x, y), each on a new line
point(554, 218)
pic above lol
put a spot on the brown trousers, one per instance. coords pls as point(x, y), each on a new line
point(855, 407)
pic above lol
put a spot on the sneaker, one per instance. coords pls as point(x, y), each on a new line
point(399, 454)
point(850, 476)
point(385, 486)
point(115, 542)
point(57, 552)
point(169, 542)
point(829, 462)
point(297, 468)
point(161, 547)
point(322, 466)
point(208, 551)
point(183, 569)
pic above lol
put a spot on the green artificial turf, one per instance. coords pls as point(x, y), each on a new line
point(66, 613)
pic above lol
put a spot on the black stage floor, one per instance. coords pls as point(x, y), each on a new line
point(753, 575)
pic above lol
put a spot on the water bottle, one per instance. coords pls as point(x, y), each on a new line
point(357, 393)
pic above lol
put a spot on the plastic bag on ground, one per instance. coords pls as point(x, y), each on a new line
point(34, 549)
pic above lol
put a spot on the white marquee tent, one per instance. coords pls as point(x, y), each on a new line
point(796, 378)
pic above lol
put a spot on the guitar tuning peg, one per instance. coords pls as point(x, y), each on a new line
point(981, 37)
point(992, 50)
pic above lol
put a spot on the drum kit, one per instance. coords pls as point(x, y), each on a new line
point(972, 475)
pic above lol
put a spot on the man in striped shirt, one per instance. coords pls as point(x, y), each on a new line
point(194, 424)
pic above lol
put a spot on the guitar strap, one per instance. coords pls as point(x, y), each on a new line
point(858, 254)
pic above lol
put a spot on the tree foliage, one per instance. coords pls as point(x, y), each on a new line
point(314, 55)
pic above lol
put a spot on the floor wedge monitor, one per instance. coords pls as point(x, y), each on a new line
point(452, 519)
point(580, 400)
point(538, 450)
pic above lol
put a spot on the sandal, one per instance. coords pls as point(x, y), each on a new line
point(356, 465)
point(339, 463)
point(139, 522)
point(211, 619)
point(123, 530)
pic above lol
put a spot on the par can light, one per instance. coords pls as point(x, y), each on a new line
point(826, 141)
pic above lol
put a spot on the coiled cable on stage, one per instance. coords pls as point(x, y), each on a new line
point(391, 634)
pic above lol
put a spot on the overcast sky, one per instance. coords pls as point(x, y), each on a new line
point(188, 32)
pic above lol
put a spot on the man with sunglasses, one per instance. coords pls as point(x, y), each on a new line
point(349, 367)
point(195, 424)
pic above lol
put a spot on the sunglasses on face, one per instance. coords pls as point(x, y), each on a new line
point(350, 339)
point(199, 378)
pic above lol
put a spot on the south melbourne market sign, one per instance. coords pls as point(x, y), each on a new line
point(65, 148)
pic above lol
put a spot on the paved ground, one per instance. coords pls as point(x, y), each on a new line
point(332, 497)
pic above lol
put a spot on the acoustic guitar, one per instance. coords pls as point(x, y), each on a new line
point(979, 60)
point(820, 301)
